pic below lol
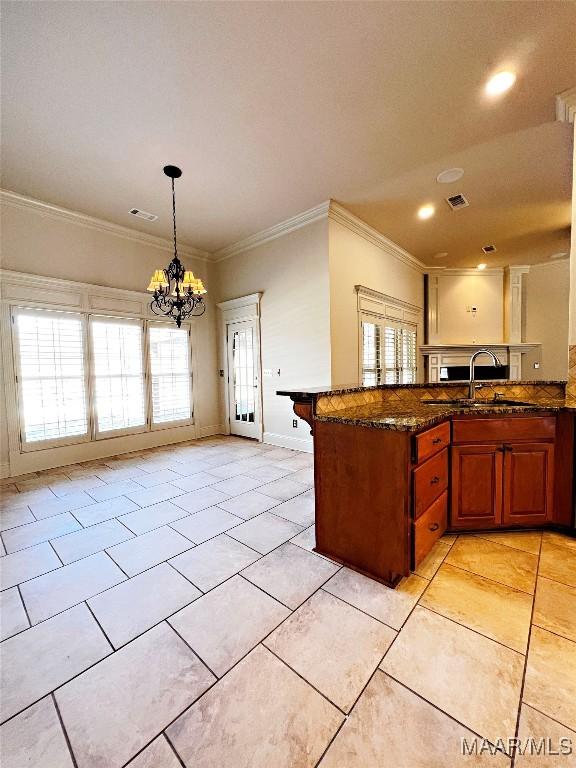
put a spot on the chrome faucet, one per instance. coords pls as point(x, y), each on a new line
point(472, 385)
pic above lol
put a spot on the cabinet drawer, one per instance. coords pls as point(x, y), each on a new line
point(501, 430)
point(429, 527)
point(430, 442)
point(430, 480)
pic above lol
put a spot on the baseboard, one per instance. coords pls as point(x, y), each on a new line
point(214, 429)
point(35, 461)
point(294, 443)
point(4, 470)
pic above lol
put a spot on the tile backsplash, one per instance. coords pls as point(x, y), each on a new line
point(534, 392)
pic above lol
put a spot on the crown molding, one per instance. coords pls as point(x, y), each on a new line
point(274, 232)
point(566, 106)
point(341, 215)
point(16, 200)
point(464, 271)
point(242, 301)
point(370, 293)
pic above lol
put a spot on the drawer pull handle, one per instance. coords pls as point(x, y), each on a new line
point(435, 480)
point(436, 440)
point(434, 527)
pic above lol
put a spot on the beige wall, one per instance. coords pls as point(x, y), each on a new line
point(572, 325)
point(546, 295)
point(357, 261)
point(457, 325)
point(292, 274)
point(43, 245)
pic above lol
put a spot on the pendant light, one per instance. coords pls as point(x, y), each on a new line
point(177, 293)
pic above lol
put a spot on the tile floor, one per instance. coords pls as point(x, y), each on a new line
point(166, 609)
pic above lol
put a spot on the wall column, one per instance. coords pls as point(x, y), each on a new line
point(566, 111)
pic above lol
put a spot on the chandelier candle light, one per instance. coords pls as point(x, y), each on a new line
point(177, 293)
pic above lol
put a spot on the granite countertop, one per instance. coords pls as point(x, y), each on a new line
point(403, 417)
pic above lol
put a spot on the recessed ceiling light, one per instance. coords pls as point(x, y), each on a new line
point(500, 83)
point(426, 211)
point(561, 255)
point(441, 255)
point(450, 175)
point(481, 266)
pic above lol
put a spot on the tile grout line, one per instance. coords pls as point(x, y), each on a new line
point(173, 748)
point(65, 732)
point(25, 611)
point(558, 722)
point(187, 644)
point(439, 709)
point(85, 602)
point(298, 674)
point(524, 671)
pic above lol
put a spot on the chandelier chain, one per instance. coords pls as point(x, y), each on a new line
point(174, 218)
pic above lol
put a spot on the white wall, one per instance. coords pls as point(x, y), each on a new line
point(546, 304)
point(355, 260)
point(292, 274)
point(49, 246)
point(457, 293)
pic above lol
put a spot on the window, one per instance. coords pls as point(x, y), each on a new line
point(82, 377)
point(51, 376)
point(388, 353)
point(117, 353)
point(170, 369)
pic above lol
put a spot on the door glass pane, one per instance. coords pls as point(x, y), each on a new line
point(243, 375)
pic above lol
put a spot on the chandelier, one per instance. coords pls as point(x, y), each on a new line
point(177, 293)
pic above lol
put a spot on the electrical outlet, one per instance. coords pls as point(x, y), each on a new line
point(295, 423)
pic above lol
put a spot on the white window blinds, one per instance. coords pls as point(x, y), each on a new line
point(389, 353)
point(118, 373)
point(170, 368)
point(51, 375)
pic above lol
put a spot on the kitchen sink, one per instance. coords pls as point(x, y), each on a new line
point(466, 403)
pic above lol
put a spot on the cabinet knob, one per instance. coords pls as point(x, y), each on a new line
point(436, 440)
point(434, 527)
point(434, 480)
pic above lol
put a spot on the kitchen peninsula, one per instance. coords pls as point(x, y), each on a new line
point(397, 466)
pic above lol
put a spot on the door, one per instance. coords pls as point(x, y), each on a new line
point(243, 379)
point(528, 483)
point(476, 486)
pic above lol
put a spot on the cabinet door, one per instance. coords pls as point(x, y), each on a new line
point(528, 483)
point(476, 486)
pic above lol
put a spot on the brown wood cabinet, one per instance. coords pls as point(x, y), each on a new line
point(507, 477)
point(385, 496)
point(476, 486)
point(528, 493)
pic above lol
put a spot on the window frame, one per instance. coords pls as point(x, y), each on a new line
point(27, 446)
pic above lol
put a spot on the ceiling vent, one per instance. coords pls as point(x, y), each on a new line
point(489, 248)
point(142, 214)
point(457, 201)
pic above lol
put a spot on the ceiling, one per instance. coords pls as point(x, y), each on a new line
point(272, 108)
